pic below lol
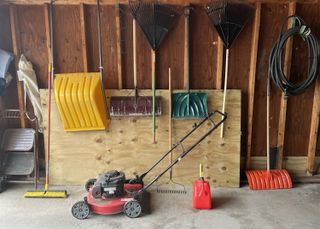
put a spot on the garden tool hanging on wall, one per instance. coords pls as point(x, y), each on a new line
point(155, 20)
point(136, 105)
point(228, 18)
point(189, 104)
point(171, 186)
point(81, 97)
point(46, 192)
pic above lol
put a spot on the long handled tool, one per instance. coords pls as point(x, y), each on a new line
point(189, 105)
point(100, 61)
point(134, 106)
point(171, 186)
point(46, 193)
point(270, 178)
point(228, 18)
point(155, 20)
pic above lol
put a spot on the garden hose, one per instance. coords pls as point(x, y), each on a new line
point(275, 60)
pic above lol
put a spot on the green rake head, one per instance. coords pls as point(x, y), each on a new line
point(189, 105)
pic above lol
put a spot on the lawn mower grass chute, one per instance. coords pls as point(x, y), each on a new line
point(111, 193)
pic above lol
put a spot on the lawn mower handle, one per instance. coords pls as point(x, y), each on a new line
point(184, 152)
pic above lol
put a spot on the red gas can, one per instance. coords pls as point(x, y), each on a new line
point(201, 194)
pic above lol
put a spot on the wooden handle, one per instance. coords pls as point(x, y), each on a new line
point(153, 69)
point(170, 112)
point(225, 90)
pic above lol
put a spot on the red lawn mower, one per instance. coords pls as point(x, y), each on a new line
point(111, 193)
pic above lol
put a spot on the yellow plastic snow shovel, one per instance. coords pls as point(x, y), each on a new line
point(80, 101)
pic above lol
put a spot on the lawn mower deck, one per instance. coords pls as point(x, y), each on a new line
point(127, 203)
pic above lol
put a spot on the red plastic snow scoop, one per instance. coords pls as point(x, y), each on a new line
point(270, 178)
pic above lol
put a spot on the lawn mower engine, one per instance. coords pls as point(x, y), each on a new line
point(109, 185)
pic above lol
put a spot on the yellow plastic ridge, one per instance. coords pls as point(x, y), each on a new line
point(80, 101)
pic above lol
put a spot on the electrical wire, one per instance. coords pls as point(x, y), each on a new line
point(275, 60)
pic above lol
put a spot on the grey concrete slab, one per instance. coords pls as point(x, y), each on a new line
point(232, 208)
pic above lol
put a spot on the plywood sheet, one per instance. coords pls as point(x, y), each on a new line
point(128, 146)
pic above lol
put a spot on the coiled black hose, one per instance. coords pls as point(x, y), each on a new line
point(275, 60)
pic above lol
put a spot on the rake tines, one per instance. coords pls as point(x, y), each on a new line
point(154, 19)
point(170, 187)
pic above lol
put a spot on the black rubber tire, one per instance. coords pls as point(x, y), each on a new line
point(80, 210)
point(132, 209)
point(90, 183)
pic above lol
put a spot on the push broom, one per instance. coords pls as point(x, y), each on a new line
point(46, 193)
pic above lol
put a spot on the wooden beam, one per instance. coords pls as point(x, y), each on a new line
point(312, 147)
point(219, 63)
point(48, 38)
point(186, 60)
point(83, 37)
point(252, 78)
point(17, 53)
point(112, 2)
point(118, 39)
point(283, 105)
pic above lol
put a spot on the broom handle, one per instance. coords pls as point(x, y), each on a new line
point(50, 81)
point(170, 120)
point(225, 90)
point(134, 31)
point(268, 124)
point(153, 54)
point(100, 61)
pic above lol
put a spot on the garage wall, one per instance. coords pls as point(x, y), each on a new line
point(76, 50)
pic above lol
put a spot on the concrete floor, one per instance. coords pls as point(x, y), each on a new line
point(233, 208)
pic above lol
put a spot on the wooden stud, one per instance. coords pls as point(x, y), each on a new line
point(16, 51)
point(219, 63)
point(47, 29)
point(83, 38)
point(111, 2)
point(314, 129)
point(186, 83)
point(252, 78)
point(118, 33)
point(283, 103)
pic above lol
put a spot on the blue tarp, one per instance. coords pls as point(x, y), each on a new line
point(5, 60)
